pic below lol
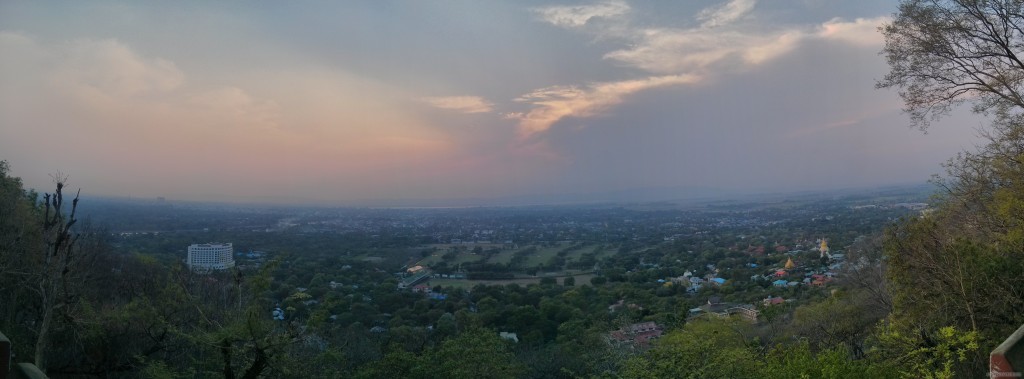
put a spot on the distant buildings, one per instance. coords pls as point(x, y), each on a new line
point(717, 308)
point(210, 256)
point(639, 335)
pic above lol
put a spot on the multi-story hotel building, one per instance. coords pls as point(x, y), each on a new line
point(211, 256)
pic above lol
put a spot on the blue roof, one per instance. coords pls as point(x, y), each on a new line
point(718, 280)
point(780, 281)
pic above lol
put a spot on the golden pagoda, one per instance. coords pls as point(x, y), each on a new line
point(824, 248)
point(789, 263)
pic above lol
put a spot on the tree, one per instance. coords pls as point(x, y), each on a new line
point(476, 353)
point(20, 233)
point(17, 226)
point(942, 53)
point(835, 322)
point(962, 264)
point(798, 361)
point(53, 278)
point(707, 349)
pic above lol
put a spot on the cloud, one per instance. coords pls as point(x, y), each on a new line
point(305, 125)
point(555, 103)
point(861, 31)
point(695, 51)
point(726, 40)
point(715, 16)
point(717, 45)
point(579, 15)
point(109, 67)
point(465, 104)
point(677, 56)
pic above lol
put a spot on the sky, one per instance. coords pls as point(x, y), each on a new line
point(371, 102)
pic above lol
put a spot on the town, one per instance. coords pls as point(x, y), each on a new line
point(386, 274)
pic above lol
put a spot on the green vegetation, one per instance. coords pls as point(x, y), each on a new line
point(138, 312)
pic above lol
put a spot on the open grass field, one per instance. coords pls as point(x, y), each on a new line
point(504, 255)
point(576, 254)
point(543, 255)
point(581, 279)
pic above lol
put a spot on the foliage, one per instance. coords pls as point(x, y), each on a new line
point(476, 353)
point(957, 272)
point(710, 349)
point(798, 361)
point(833, 323)
point(943, 354)
point(141, 313)
point(942, 53)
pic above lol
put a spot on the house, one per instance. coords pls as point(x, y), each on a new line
point(415, 269)
point(717, 308)
point(755, 251)
point(639, 334)
point(718, 281)
point(422, 288)
point(773, 301)
point(746, 311)
point(779, 283)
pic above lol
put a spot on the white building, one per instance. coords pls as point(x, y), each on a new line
point(211, 256)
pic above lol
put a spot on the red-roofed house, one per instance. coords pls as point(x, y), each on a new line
point(639, 334)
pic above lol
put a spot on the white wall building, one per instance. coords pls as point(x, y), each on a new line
point(211, 256)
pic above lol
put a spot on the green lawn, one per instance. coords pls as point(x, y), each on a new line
point(543, 255)
point(581, 279)
point(503, 257)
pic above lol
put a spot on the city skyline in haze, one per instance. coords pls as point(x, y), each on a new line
point(346, 103)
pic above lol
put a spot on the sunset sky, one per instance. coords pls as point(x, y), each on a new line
point(364, 102)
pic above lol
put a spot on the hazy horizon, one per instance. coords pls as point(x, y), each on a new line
point(676, 196)
point(353, 102)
